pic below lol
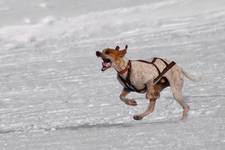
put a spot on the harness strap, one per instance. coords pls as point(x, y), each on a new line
point(154, 59)
point(152, 62)
point(168, 67)
point(160, 74)
point(163, 61)
point(128, 83)
point(129, 86)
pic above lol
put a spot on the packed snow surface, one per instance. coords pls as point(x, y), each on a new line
point(54, 96)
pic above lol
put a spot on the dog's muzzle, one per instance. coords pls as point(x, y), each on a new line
point(106, 64)
point(98, 54)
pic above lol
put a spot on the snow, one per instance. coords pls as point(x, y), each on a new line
point(54, 96)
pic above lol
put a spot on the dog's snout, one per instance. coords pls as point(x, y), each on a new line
point(98, 54)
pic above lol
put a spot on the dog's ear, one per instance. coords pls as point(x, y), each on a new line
point(126, 47)
point(123, 52)
point(117, 48)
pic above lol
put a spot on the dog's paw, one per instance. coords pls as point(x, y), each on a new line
point(131, 102)
point(137, 117)
point(185, 113)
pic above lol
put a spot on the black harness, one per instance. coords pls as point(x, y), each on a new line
point(130, 87)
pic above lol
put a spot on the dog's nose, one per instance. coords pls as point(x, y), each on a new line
point(98, 54)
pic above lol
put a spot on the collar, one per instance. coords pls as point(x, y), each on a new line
point(126, 69)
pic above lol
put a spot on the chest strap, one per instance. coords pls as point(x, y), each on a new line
point(127, 83)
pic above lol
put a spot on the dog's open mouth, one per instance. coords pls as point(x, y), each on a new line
point(106, 64)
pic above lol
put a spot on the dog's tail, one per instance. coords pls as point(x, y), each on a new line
point(191, 77)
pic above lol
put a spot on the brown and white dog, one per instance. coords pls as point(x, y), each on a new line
point(142, 76)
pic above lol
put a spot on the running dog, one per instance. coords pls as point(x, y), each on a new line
point(145, 76)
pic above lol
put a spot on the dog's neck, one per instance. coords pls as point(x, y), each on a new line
point(120, 65)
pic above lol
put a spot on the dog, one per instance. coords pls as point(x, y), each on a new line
point(145, 76)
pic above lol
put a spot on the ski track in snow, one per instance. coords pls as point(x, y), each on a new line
point(53, 95)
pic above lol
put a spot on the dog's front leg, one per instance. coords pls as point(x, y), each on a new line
point(152, 95)
point(149, 110)
point(127, 101)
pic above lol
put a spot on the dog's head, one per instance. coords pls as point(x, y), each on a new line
point(110, 56)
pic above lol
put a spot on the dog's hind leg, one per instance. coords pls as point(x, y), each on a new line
point(176, 87)
point(127, 101)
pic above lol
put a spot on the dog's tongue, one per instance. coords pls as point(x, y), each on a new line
point(105, 66)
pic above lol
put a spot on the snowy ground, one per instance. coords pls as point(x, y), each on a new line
point(54, 96)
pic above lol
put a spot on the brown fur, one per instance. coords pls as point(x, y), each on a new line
point(116, 54)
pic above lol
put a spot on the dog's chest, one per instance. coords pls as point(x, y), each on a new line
point(141, 73)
